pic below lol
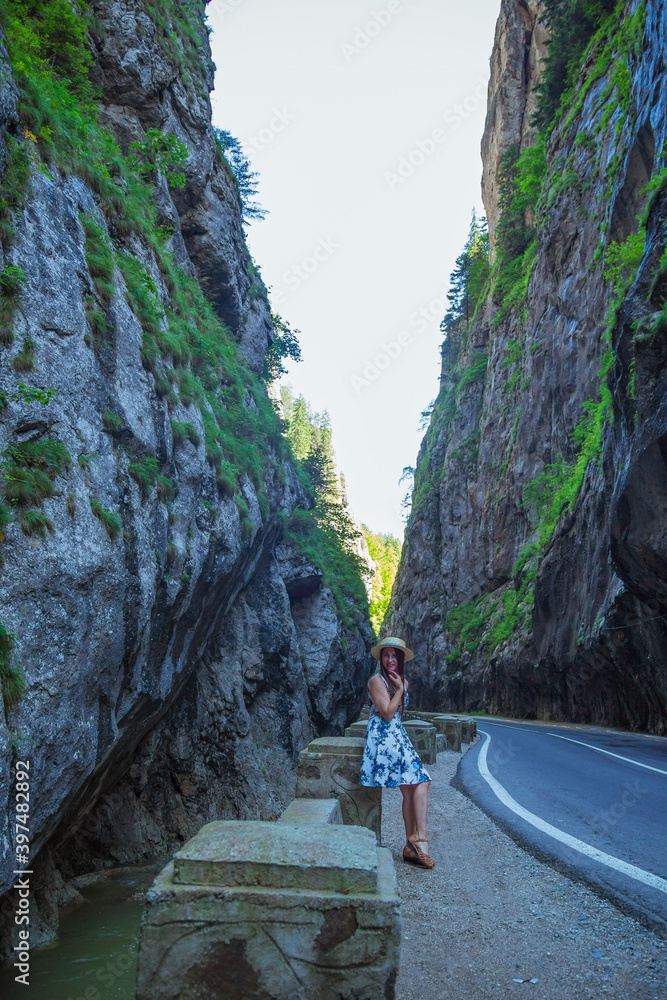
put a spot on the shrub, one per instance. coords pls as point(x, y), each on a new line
point(29, 469)
point(172, 553)
point(26, 486)
point(165, 488)
point(475, 372)
point(112, 422)
point(97, 319)
point(11, 676)
point(225, 479)
point(13, 187)
point(12, 280)
point(99, 258)
point(5, 519)
point(285, 344)
point(71, 504)
point(24, 361)
point(34, 522)
point(165, 154)
point(142, 296)
point(109, 520)
point(185, 432)
point(146, 473)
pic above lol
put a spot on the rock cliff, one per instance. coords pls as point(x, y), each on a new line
point(176, 656)
point(533, 575)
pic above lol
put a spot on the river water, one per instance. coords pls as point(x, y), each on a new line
point(95, 956)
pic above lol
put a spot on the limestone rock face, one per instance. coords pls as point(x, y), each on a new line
point(173, 672)
point(591, 644)
point(518, 47)
point(144, 88)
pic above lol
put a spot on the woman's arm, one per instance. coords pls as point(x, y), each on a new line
point(387, 706)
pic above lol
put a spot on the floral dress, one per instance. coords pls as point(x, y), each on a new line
point(389, 757)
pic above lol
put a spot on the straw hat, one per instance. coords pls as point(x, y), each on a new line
point(376, 651)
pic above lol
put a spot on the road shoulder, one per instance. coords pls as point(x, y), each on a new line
point(490, 914)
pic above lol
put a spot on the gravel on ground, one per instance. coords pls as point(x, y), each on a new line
point(491, 922)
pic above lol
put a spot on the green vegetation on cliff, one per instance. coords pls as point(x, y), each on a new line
point(191, 353)
point(468, 282)
point(607, 35)
point(571, 24)
point(385, 551)
point(12, 684)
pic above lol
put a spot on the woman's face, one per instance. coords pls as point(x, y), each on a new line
point(389, 658)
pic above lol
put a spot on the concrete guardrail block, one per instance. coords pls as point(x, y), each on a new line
point(330, 767)
point(423, 737)
point(254, 910)
point(357, 729)
point(451, 728)
point(313, 811)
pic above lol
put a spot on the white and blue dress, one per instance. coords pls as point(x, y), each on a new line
point(389, 757)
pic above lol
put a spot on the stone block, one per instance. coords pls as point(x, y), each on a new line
point(357, 729)
point(422, 736)
point(330, 768)
point(467, 734)
point(277, 856)
point(440, 743)
point(313, 811)
point(287, 938)
point(451, 728)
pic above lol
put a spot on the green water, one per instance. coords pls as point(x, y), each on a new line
point(95, 957)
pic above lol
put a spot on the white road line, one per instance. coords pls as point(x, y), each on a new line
point(648, 878)
point(628, 760)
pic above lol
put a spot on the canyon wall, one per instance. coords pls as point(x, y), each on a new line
point(176, 654)
point(533, 579)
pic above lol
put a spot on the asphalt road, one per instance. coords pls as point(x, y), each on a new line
point(592, 802)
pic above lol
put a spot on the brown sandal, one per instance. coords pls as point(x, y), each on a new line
point(413, 854)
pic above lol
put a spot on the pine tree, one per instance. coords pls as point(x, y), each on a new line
point(385, 551)
point(246, 179)
point(468, 279)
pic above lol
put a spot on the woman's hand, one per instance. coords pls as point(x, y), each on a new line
point(386, 704)
point(395, 679)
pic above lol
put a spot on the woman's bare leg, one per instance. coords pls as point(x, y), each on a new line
point(415, 807)
point(407, 809)
point(420, 808)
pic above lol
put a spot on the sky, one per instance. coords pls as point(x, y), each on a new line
point(364, 123)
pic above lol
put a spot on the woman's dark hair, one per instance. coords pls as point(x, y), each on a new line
point(400, 656)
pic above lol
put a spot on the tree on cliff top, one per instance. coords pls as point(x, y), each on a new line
point(468, 279)
point(327, 535)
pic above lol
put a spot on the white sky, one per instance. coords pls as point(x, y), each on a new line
point(329, 99)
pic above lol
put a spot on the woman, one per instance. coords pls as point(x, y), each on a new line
point(389, 757)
